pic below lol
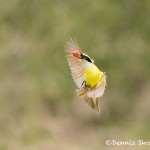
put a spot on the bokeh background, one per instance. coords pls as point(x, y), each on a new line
point(39, 108)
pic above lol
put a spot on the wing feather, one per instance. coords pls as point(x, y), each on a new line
point(72, 46)
point(76, 67)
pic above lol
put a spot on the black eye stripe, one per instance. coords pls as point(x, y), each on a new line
point(88, 59)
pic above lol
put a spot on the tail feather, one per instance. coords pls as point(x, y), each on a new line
point(93, 103)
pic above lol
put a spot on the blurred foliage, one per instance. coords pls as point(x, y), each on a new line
point(35, 80)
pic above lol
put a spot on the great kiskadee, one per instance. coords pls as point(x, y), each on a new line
point(89, 79)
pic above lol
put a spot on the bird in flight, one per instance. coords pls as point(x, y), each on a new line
point(89, 79)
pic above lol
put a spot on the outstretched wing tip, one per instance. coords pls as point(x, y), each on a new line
point(72, 45)
point(77, 70)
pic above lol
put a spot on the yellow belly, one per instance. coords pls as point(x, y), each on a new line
point(93, 76)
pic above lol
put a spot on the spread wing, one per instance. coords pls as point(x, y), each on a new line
point(77, 70)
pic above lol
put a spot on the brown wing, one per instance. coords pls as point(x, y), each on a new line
point(75, 64)
point(71, 46)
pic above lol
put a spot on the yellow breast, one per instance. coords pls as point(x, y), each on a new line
point(93, 76)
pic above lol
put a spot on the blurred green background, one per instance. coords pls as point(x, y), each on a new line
point(39, 108)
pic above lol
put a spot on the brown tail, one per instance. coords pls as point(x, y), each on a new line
point(92, 102)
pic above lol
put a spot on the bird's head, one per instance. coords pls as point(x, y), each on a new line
point(82, 56)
